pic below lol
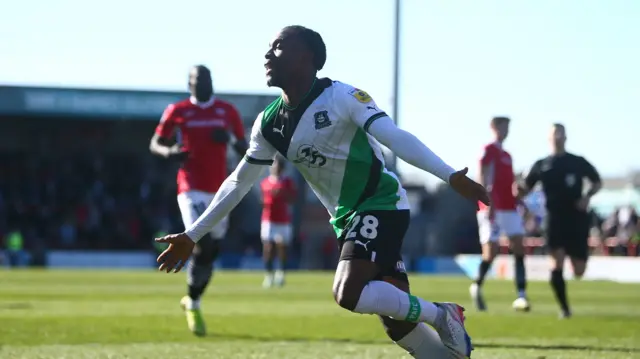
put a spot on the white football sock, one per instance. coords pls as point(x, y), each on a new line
point(385, 299)
point(423, 343)
point(193, 304)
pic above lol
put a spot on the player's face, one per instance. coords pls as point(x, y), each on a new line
point(502, 130)
point(558, 137)
point(283, 60)
point(200, 84)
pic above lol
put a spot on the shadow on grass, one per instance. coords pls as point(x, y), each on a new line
point(477, 345)
point(16, 306)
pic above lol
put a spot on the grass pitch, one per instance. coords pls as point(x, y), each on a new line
point(120, 314)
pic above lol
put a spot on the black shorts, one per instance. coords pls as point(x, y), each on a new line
point(377, 236)
point(570, 233)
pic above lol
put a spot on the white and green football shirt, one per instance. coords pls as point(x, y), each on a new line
point(326, 139)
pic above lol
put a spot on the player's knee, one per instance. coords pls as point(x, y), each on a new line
point(489, 251)
point(346, 294)
point(267, 248)
point(578, 270)
point(343, 299)
point(556, 276)
point(557, 260)
point(517, 247)
point(557, 266)
point(488, 257)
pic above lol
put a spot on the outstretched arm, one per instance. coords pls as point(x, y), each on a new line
point(409, 148)
point(259, 154)
point(364, 112)
point(231, 192)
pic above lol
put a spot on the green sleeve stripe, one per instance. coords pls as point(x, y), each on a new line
point(255, 161)
point(368, 123)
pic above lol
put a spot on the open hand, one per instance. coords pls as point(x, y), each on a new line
point(468, 188)
point(177, 254)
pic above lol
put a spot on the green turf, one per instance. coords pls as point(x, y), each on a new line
point(120, 314)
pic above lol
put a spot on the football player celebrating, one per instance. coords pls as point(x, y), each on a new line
point(331, 132)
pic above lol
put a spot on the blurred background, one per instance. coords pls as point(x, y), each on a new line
point(80, 98)
point(83, 85)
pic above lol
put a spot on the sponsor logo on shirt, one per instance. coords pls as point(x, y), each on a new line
point(360, 95)
point(310, 156)
point(206, 123)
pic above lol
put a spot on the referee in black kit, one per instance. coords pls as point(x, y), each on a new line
point(567, 221)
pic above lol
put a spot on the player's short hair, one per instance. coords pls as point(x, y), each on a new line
point(201, 68)
point(313, 41)
point(499, 120)
point(558, 126)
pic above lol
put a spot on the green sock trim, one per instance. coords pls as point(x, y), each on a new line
point(414, 310)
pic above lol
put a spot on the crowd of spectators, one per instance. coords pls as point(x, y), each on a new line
point(120, 202)
point(615, 234)
point(86, 202)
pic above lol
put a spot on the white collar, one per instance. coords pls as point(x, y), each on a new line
point(206, 104)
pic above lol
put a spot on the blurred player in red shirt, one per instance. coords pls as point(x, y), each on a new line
point(202, 125)
point(502, 218)
point(278, 192)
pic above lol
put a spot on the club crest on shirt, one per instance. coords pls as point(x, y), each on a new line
point(360, 95)
point(321, 119)
point(570, 179)
point(546, 166)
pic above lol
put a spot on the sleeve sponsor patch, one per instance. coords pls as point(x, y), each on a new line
point(360, 95)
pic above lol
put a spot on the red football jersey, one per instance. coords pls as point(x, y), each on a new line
point(501, 177)
point(206, 167)
point(277, 194)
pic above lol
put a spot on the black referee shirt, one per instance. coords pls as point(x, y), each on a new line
point(562, 178)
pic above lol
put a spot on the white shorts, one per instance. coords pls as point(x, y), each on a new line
point(508, 223)
point(276, 232)
point(192, 204)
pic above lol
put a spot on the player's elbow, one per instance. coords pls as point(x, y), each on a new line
point(153, 147)
point(157, 143)
point(158, 150)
